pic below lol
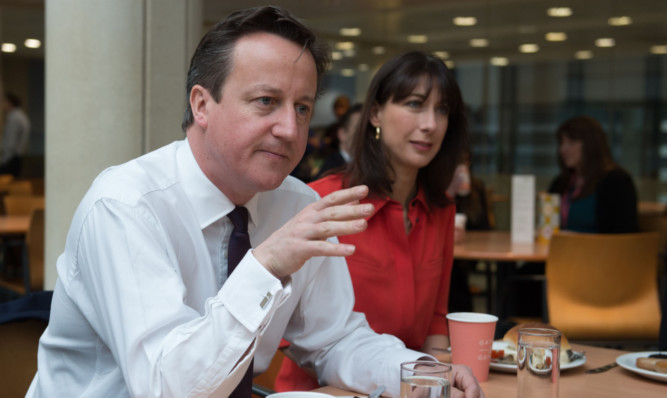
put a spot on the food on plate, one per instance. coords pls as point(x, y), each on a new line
point(508, 355)
point(652, 364)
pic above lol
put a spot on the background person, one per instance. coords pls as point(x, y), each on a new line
point(401, 267)
point(344, 135)
point(597, 195)
point(15, 136)
point(145, 303)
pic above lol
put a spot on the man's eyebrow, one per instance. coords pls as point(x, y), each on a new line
point(265, 88)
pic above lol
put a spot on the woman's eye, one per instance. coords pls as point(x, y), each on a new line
point(413, 104)
point(444, 109)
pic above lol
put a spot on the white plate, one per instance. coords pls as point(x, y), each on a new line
point(629, 362)
point(511, 368)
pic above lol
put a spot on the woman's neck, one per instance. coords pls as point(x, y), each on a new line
point(404, 188)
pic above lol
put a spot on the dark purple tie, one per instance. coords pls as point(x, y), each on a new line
point(239, 244)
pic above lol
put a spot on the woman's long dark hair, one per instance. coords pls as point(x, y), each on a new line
point(395, 81)
point(596, 159)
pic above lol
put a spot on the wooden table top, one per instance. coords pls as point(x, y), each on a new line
point(498, 246)
point(14, 225)
point(574, 383)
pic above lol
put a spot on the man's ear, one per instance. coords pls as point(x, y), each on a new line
point(199, 97)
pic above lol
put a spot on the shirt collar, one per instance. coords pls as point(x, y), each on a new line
point(380, 202)
point(207, 201)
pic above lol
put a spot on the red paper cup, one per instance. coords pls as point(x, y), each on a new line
point(471, 337)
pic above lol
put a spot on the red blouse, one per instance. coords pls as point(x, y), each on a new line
point(401, 282)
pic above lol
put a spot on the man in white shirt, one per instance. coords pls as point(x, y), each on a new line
point(143, 305)
point(14, 136)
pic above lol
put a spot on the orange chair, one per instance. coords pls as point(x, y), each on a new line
point(604, 287)
point(23, 204)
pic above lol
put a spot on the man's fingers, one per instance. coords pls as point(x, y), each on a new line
point(327, 229)
point(344, 196)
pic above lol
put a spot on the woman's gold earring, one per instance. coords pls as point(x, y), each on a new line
point(377, 133)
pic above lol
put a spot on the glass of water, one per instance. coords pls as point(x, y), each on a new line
point(425, 379)
point(538, 363)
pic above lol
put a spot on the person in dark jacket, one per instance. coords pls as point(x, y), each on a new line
point(597, 195)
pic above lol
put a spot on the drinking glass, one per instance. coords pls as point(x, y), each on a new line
point(538, 363)
point(425, 379)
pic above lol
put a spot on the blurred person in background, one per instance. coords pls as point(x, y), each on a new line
point(15, 136)
point(597, 195)
point(411, 133)
point(344, 135)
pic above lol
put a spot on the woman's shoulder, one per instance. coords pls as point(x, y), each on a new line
point(328, 184)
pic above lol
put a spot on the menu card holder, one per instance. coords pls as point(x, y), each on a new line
point(523, 208)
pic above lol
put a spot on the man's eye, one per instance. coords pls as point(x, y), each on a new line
point(302, 109)
point(265, 100)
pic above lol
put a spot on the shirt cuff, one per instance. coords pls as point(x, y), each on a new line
point(252, 294)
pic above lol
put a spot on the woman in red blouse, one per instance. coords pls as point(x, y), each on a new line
point(411, 132)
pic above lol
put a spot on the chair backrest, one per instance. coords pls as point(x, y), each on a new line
point(20, 187)
point(604, 286)
point(22, 205)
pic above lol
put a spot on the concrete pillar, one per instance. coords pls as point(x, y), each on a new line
point(115, 89)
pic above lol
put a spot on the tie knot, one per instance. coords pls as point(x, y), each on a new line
point(239, 217)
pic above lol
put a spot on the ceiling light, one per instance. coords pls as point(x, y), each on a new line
point(351, 32)
point(349, 53)
point(8, 47)
point(417, 39)
point(450, 64)
point(529, 48)
point(661, 49)
point(32, 43)
point(620, 21)
point(344, 45)
point(556, 36)
point(479, 42)
point(559, 12)
point(441, 54)
point(500, 61)
point(336, 55)
point(605, 42)
point(583, 54)
point(379, 50)
point(363, 67)
point(347, 72)
point(465, 21)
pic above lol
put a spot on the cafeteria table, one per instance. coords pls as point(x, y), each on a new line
point(497, 246)
point(575, 383)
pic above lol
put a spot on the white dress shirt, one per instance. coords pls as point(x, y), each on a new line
point(15, 135)
point(142, 308)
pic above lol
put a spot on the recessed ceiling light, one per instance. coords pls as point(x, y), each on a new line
point(465, 21)
point(8, 47)
point(417, 39)
point(556, 36)
point(529, 48)
point(351, 32)
point(500, 61)
point(336, 55)
point(559, 12)
point(363, 67)
point(349, 53)
point(441, 54)
point(620, 21)
point(659, 49)
point(379, 50)
point(348, 72)
point(450, 64)
point(479, 42)
point(583, 54)
point(605, 42)
point(344, 45)
point(32, 43)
